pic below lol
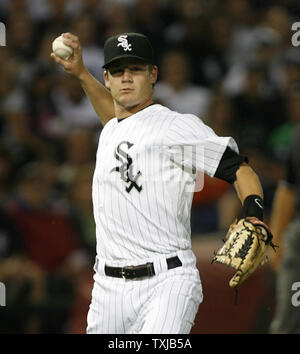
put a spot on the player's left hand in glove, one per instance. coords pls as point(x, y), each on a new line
point(244, 248)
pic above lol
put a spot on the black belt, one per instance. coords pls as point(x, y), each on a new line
point(144, 270)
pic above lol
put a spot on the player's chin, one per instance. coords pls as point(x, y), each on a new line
point(127, 96)
point(128, 100)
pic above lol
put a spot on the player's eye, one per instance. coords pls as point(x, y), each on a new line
point(136, 68)
point(120, 71)
point(116, 71)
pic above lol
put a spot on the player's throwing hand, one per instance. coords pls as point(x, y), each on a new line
point(74, 64)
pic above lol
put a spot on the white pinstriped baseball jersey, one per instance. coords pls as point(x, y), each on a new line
point(144, 180)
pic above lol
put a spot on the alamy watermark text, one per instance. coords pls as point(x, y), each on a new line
point(296, 36)
point(2, 34)
point(2, 294)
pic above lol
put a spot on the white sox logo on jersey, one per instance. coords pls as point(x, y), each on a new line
point(125, 169)
point(124, 43)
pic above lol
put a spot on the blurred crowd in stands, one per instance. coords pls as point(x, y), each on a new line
point(229, 62)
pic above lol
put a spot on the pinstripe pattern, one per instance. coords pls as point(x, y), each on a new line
point(165, 303)
point(136, 225)
point(142, 194)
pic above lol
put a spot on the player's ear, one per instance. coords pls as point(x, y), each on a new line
point(153, 74)
point(106, 80)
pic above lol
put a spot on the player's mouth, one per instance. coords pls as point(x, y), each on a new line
point(126, 90)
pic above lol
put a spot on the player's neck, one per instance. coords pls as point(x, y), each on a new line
point(124, 112)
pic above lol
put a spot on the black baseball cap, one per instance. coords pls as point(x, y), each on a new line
point(128, 45)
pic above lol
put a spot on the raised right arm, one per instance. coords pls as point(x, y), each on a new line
point(98, 94)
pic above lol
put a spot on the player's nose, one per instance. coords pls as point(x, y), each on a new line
point(127, 75)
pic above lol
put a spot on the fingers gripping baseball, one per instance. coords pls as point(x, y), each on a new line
point(73, 42)
point(74, 64)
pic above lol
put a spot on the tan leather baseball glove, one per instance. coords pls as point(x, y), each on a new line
point(244, 248)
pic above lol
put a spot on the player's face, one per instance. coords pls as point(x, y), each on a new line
point(130, 82)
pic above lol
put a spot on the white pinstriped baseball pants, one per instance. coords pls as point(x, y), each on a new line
point(165, 303)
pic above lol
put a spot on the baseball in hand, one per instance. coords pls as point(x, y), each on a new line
point(60, 49)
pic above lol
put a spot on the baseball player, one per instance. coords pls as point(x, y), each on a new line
point(146, 280)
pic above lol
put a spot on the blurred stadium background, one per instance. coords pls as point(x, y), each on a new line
point(230, 62)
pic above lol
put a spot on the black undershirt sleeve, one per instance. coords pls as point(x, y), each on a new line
point(229, 164)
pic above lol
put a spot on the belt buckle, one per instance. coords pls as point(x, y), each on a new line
point(125, 274)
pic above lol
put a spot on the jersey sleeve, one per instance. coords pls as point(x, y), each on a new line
point(195, 146)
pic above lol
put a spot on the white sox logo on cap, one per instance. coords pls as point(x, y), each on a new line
point(127, 45)
point(124, 43)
